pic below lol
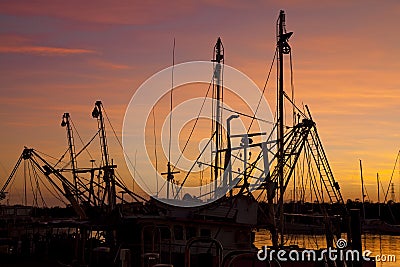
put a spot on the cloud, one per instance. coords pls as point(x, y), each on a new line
point(44, 50)
point(109, 65)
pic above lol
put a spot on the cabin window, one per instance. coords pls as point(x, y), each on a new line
point(205, 232)
point(178, 232)
point(190, 232)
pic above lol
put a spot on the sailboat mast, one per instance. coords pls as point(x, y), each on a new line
point(362, 189)
point(218, 58)
point(379, 199)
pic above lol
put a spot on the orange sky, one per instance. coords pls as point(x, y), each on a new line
point(62, 56)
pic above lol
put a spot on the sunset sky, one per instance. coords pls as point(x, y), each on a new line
point(62, 56)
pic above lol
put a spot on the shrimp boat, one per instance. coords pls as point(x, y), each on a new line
point(107, 229)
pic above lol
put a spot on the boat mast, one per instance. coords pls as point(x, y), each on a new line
point(170, 173)
point(379, 199)
point(108, 168)
point(362, 189)
point(283, 48)
point(71, 147)
point(218, 58)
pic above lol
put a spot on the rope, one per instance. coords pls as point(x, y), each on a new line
point(47, 155)
point(194, 126)
point(249, 116)
point(79, 136)
point(294, 105)
point(62, 157)
point(36, 176)
point(33, 192)
point(391, 177)
point(262, 94)
point(84, 148)
point(120, 144)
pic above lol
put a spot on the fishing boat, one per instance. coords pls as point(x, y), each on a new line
point(109, 230)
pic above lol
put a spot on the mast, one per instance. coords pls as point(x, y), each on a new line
point(170, 176)
point(283, 48)
point(362, 189)
point(108, 168)
point(170, 173)
point(218, 58)
point(379, 199)
point(71, 147)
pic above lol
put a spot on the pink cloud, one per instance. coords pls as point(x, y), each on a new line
point(109, 65)
point(44, 50)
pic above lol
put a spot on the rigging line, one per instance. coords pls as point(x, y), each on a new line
point(119, 178)
point(234, 172)
point(194, 125)
point(120, 144)
point(55, 190)
point(391, 177)
point(294, 105)
point(171, 102)
point(250, 116)
point(314, 184)
point(302, 171)
point(83, 148)
point(80, 138)
point(120, 183)
point(136, 197)
point(155, 150)
point(47, 155)
point(191, 168)
point(30, 179)
point(134, 166)
point(62, 157)
point(248, 163)
point(37, 178)
point(262, 94)
point(366, 193)
point(9, 185)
